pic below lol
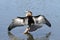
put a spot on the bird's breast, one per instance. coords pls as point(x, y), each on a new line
point(30, 21)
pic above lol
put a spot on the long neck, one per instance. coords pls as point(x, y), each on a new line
point(29, 17)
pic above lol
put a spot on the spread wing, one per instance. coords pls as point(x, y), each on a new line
point(19, 21)
point(41, 20)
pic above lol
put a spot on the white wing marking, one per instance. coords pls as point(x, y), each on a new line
point(39, 20)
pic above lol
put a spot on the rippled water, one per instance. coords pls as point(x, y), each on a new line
point(10, 9)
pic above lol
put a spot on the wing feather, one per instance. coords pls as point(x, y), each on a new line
point(41, 20)
point(17, 22)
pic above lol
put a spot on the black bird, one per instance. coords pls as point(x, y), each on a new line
point(32, 21)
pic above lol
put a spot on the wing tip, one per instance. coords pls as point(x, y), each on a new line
point(47, 22)
point(11, 26)
point(49, 25)
point(9, 29)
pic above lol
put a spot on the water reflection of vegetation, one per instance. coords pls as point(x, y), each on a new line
point(29, 37)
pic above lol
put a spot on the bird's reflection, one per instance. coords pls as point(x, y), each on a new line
point(13, 37)
point(46, 37)
point(29, 37)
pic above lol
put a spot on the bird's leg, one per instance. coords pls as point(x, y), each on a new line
point(27, 30)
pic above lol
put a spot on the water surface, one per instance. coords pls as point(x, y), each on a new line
point(10, 9)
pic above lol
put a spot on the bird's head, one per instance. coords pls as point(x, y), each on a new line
point(28, 13)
